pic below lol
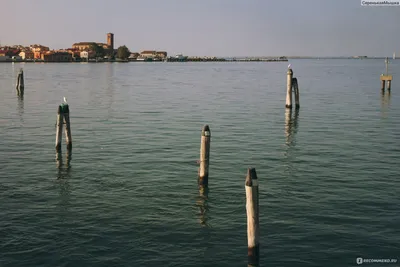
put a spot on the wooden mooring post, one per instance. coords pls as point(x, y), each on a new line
point(383, 84)
point(63, 118)
point(252, 209)
point(204, 156)
point(296, 92)
point(386, 78)
point(59, 128)
point(20, 83)
point(292, 87)
point(68, 138)
point(289, 88)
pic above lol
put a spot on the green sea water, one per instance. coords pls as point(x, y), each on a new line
point(329, 174)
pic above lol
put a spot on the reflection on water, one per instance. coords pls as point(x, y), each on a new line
point(291, 127)
point(202, 203)
point(385, 103)
point(110, 88)
point(63, 171)
point(64, 192)
point(20, 108)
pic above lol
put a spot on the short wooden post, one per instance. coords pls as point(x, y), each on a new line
point(68, 138)
point(383, 85)
point(20, 83)
point(253, 246)
point(289, 88)
point(204, 155)
point(296, 92)
point(59, 128)
point(389, 83)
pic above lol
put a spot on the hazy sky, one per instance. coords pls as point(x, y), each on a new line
point(208, 27)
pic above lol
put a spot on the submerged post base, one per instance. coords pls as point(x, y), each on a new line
point(58, 148)
point(253, 255)
point(203, 181)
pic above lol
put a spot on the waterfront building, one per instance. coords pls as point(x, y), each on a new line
point(27, 55)
point(56, 56)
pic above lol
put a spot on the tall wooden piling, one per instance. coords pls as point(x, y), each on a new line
point(20, 83)
point(383, 85)
point(68, 138)
point(389, 83)
point(59, 128)
point(296, 92)
point(252, 208)
point(289, 88)
point(204, 155)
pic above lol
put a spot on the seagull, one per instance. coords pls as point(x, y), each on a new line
point(289, 66)
point(65, 100)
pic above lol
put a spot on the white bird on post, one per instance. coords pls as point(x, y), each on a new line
point(65, 100)
point(289, 66)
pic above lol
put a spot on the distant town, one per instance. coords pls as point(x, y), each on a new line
point(106, 52)
point(101, 52)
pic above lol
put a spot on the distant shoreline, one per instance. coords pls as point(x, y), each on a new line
point(139, 61)
point(172, 60)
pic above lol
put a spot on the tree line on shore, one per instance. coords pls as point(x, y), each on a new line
point(99, 52)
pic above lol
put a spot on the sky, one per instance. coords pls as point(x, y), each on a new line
point(208, 27)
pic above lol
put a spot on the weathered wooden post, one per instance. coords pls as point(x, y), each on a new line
point(289, 88)
point(252, 208)
point(383, 84)
point(389, 83)
point(59, 127)
point(20, 83)
point(204, 155)
point(296, 92)
point(68, 138)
